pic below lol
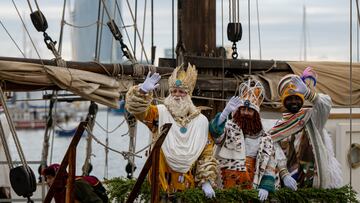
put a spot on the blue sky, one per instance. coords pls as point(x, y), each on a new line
point(280, 24)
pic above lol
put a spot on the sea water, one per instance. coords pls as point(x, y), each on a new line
point(32, 143)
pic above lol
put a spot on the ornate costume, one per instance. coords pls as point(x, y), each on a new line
point(186, 158)
point(246, 158)
point(303, 148)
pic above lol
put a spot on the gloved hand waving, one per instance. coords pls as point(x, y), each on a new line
point(151, 82)
point(230, 107)
point(300, 86)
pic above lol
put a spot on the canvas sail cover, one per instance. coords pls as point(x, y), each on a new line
point(333, 79)
point(92, 86)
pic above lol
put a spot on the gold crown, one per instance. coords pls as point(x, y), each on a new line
point(183, 79)
point(251, 93)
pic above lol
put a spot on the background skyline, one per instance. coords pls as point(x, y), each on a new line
point(281, 28)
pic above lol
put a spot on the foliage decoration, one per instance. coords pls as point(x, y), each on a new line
point(119, 189)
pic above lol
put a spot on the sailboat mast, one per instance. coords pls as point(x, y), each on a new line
point(304, 33)
point(197, 27)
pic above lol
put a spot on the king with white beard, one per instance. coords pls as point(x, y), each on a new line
point(186, 157)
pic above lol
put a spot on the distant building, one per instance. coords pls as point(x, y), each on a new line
point(85, 12)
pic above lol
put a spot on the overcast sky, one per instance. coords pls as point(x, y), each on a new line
point(281, 25)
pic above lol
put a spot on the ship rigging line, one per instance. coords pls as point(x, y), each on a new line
point(111, 131)
point(12, 39)
point(97, 31)
point(249, 36)
point(143, 29)
point(62, 28)
point(111, 21)
point(126, 155)
point(12, 129)
point(100, 37)
point(106, 165)
point(125, 26)
point(82, 26)
point(36, 3)
point(27, 31)
point(137, 31)
point(110, 18)
point(350, 85)
point(258, 27)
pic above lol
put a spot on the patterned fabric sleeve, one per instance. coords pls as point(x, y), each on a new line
point(206, 166)
point(321, 110)
point(268, 180)
point(216, 130)
point(140, 106)
point(281, 160)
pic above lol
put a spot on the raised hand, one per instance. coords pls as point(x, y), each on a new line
point(151, 82)
point(230, 107)
point(300, 85)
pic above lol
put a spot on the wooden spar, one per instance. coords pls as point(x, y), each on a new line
point(69, 159)
point(207, 66)
point(126, 69)
point(154, 156)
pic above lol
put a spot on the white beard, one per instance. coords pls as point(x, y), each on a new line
point(180, 107)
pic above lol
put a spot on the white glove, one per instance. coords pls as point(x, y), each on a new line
point(208, 190)
point(300, 86)
point(290, 182)
point(230, 107)
point(150, 82)
point(263, 194)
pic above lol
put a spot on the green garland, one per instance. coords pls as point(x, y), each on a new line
point(119, 189)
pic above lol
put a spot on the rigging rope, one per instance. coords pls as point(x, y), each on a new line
point(12, 39)
point(124, 26)
point(101, 33)
point(49, 128)
point(118, 36)
point(5, 145)
point(27, 32)
point(137, 31)
point(258, 27)
point(12, 128)
point(135, 27)
point(91, 117)
point(143, 30)
point(62, 28)
point(249, 21)
point(111, 131)
point(123, 153)
point(357, 29)
point(350, 105)
point(106, 167)
point(53, 135)
point(97, 32)
point(83, 26)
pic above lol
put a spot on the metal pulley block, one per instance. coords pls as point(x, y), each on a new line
point(39, 21)
point(23, 181)
point(234, 32)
